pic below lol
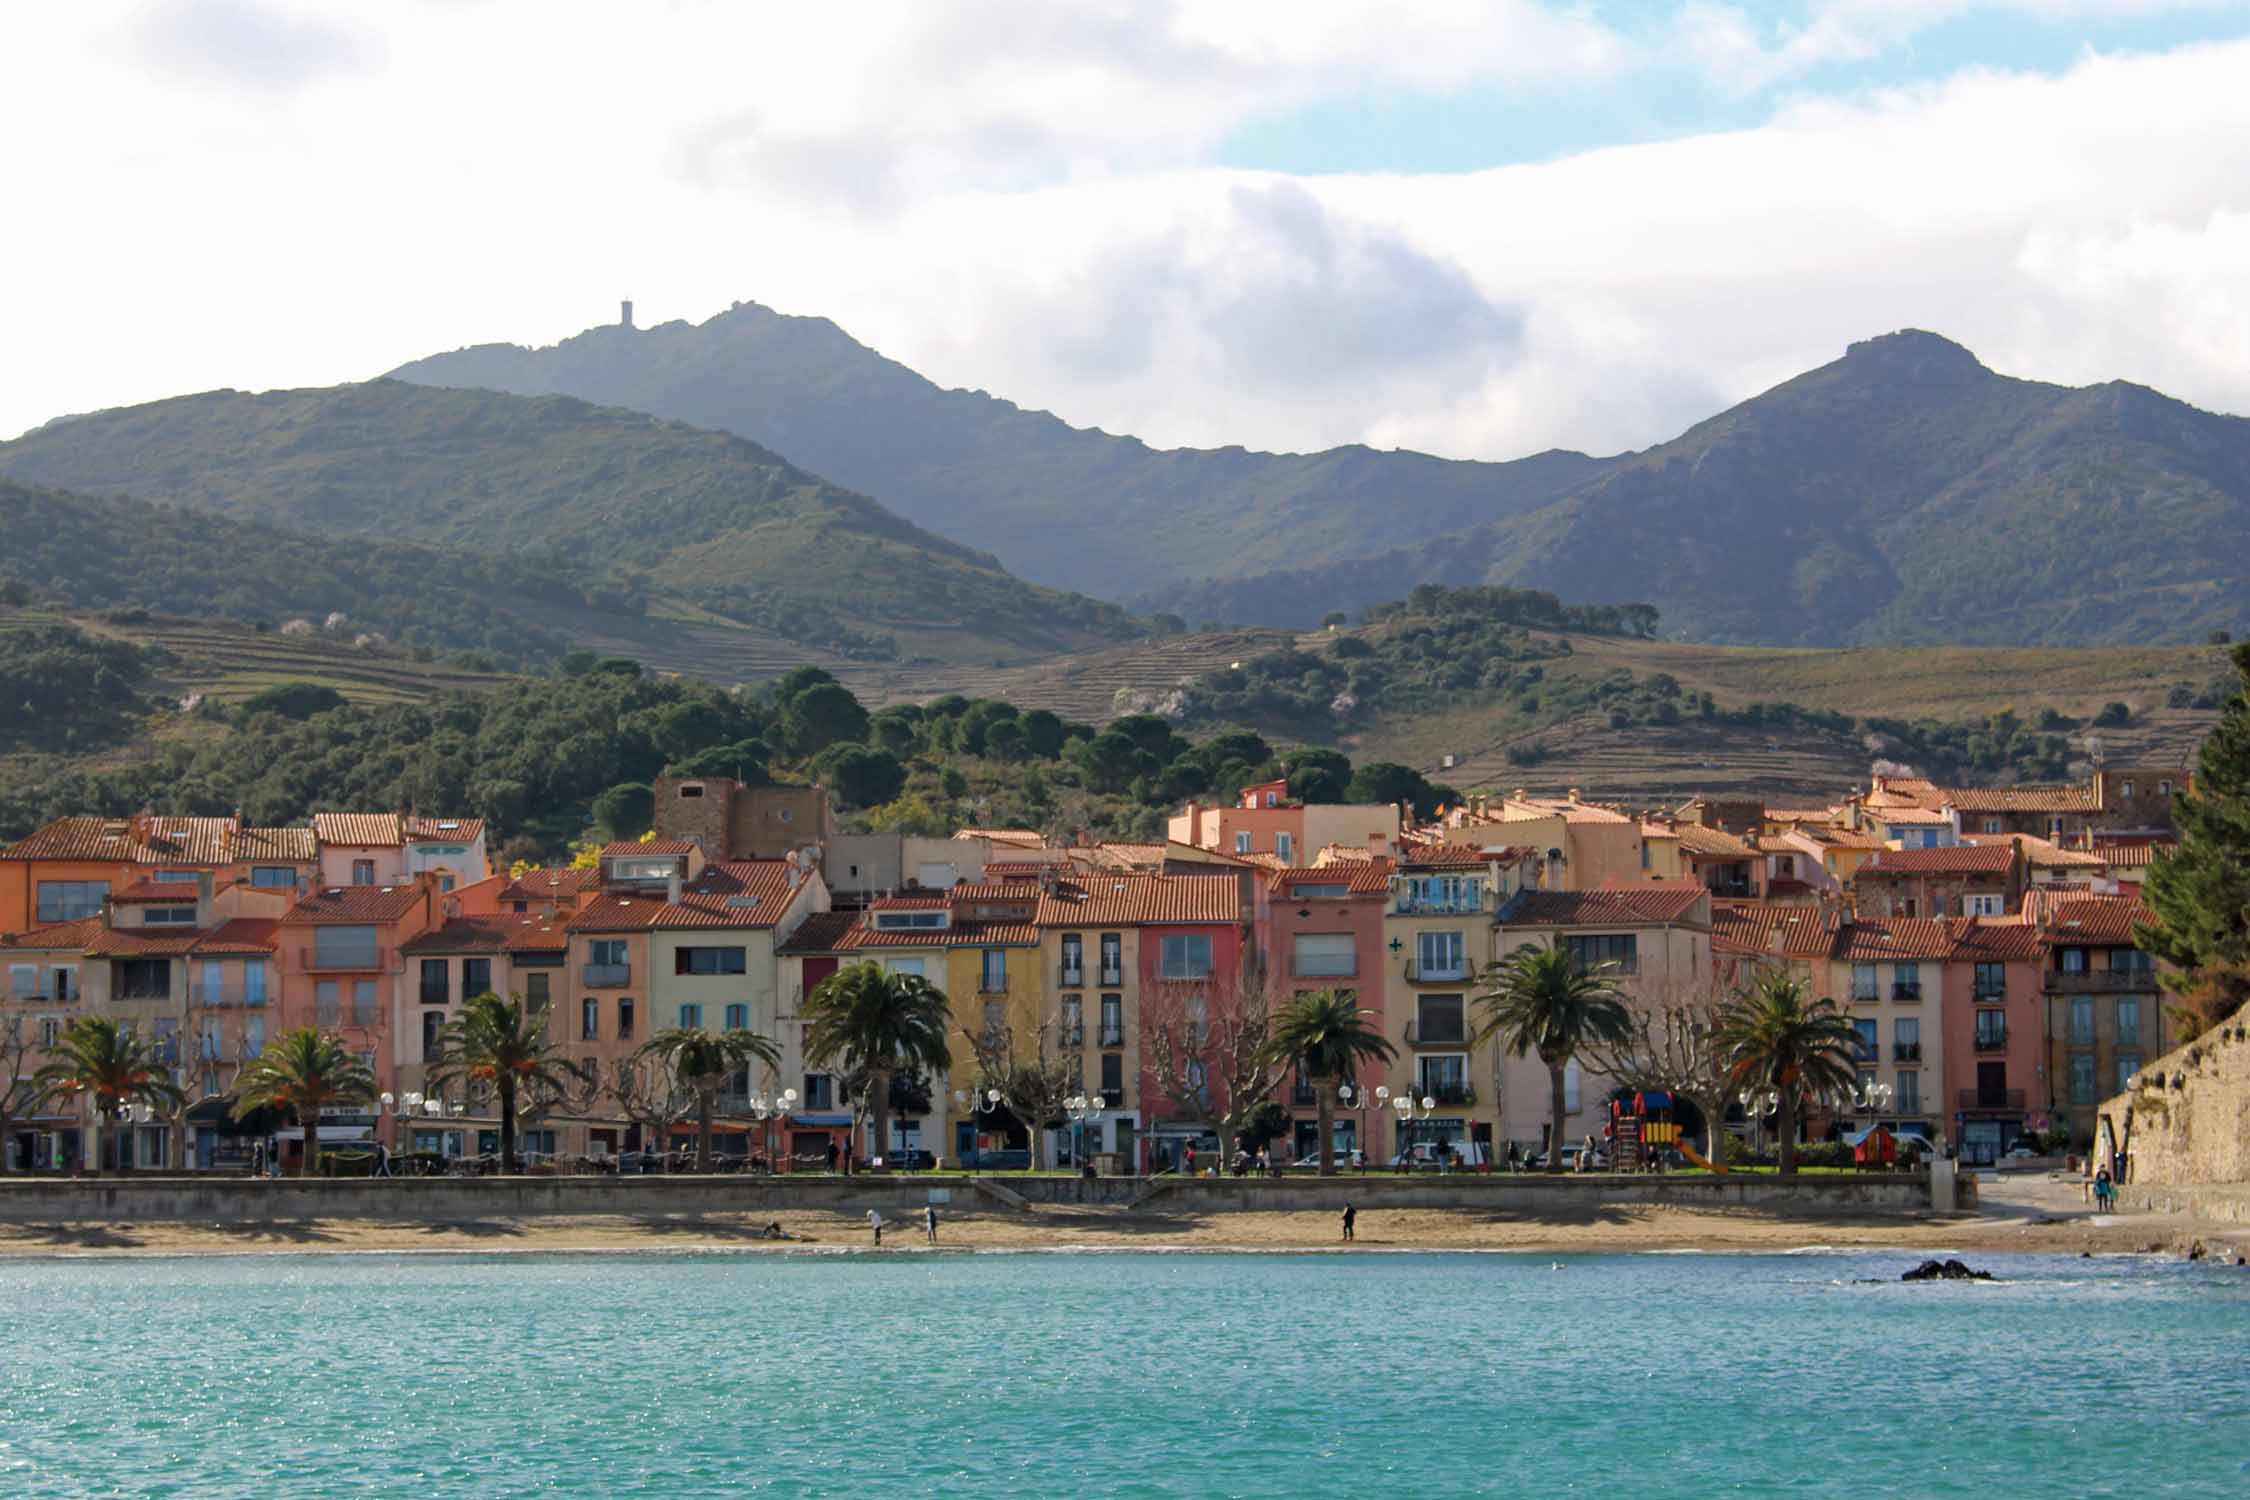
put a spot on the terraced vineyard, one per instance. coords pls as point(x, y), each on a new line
point(1083, 686)
point(228, 662)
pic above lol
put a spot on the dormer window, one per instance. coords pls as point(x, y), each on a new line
point(168, 916)
point(642, 869)
point(909, 921)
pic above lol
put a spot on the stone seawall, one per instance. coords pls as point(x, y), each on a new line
point(152, 1199)
point(2183, 1125)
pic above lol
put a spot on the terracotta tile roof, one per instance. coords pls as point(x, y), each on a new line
point(1713, 843)
point(732, 893)
point(291, 846)
point(651, 848)
point(911, 901)
point(1957, 859)
point(390, 830)
point(1030, 838)
point(1358, 878)
point(442, 830)
point(1125, 900)
point(1914, 939)
point(1520, 809)
point(1266, 861)
point(1995, 940)
point(148, 841)
point(357, 903)
point(2131, 856)
point(1910, 817)
point(144, 942)
point(1842, 838)
point(61, 937)
point(155, 893)
point(1749, 927)
point(1340, 854)
point(1779, 843)
point(551, 883)
point(820, 932)
point(2020, 798)
point(476, 934)
point(864, 934)
point(1803, 814)
point(2094, 919)
point(242, 935)
point(1022, 891)
point(1130, 856)
point(1616, 903)
point(1001, 869)
point(2041, 854)
point(1458, 856)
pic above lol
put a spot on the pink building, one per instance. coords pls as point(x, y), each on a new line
point(1994, 1016)
point(1321, 929)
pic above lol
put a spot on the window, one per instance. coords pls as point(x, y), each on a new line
point(2128, 1019)
point(1285, 846)
point(168, 916)
point(710, 961)
point(1073, 1017)
point(254, 984)
point(363, 1002)
point(23, 980)
point(914, 966)
point(344, 948)
point(738, 1018)
point(363, 872)
point(1323, 955)
point(49, 1027)
point(1981, 906)
point(589, 1020)
point(433, 1030)
point(1572, 1078)
point(2126, 786)
point(1865, 985)
point(1910, 1093)
point(1906, 1032)
point(1991, 981)
point(1113, 947)
point(437, 982)
point(273, 877)
point(692, 789)
point(253, 1035)
point(1440, 1018)
point(2082, 1020)
point(535, 990)
point(691, 1018)
point(1441, 955)
point(643, 869)
point(820, 1091)
point(141, 979)
point(624, 1020)
point(895, 921)
point(328, 1002)
point(606, 952)
point(1321, 892)
point(1864, 1049)
point(1444, 1078)
point(476, 976)
point(68, 900)
point(1623, 950)
point(2082, 1081)
point(2164, 789)
point(1073, 958)
point(993, 976)
point(1906, 981)
point(1994, 825)
point(2130, 961)
point(1113, 1021)
point(2128, 1063)
point(1113, 1077)
point(1242, 843)
point(1992, 1031)
point(2074, 960)
point(1186, 956)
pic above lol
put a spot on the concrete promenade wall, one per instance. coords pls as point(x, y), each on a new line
point(2186, 1116)
point(153, 1199)
point(2226, 1203)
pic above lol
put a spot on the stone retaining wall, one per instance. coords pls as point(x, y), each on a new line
point(2185, 1124)
point(152, 1199)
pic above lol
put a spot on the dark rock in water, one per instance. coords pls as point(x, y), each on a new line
point(1951, 1270)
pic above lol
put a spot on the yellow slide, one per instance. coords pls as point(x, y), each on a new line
point(1696, 1157)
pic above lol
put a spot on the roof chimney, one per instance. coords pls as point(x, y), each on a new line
point(1574, 794)
point(672, 888)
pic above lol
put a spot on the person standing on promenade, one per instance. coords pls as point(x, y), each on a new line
point(875, 1222)
point(831, 1153)
point(1351, 1218)
point(929, 1224)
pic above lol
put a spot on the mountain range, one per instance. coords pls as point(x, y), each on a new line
point(1903, 493)
point(587, 493)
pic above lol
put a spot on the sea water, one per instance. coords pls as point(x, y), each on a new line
point(1124, 1374)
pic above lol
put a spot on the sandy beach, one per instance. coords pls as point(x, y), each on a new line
point(2044, 1216)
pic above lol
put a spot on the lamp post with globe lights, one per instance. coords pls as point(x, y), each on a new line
point(1356, 1102)
point(972, 1104)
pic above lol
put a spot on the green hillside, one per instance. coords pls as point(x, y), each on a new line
point(1074, 507)
point(1904, 494)
point(577, 491)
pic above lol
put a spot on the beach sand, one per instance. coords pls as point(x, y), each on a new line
point(2043, 1216)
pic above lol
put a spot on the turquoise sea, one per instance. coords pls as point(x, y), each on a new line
point(1130, 1374)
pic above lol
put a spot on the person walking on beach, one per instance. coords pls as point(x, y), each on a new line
point(2105, 1191)
point(929, 1224)
point(1351, 1217)
point(875, 1222)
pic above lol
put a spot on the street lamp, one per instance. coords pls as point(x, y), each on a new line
point(1358, 1102)
point(1756, 1104)
point(1082, 1108)
point(765, 1111)
point(973, 1104)
point(1408, 1115)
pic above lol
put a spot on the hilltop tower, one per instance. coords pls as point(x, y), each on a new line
point(625, 313)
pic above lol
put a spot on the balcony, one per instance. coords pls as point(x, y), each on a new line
point(1113, 1098)
point(1110, 978)
point(1991, 1099)
point(1073, 977)
point(365, 961)
point(1436, 1034)
point(1113, 1036)
point(1906, 993)
point(608, 976)
point(1989, 995)
point(1865, 996)
point(1730, 890)
point(992, 984)
point(2102, 982)
point(1906, 1052)
point(224, 996)
point(1324, 968)
point(1303, 1096)
point(1418, 972)
point(1449, 1093)
point(1073, 1034)
point(1992, 1041)
point(1439, 906)
point(354, 1014)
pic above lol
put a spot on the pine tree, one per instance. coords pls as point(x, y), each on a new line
point(2200, 894)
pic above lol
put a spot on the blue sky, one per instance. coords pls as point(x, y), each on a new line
point(1396, 128)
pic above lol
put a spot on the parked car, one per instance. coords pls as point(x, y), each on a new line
point(915, 1160)
point(1428, 1156)
point(2021, 1152)
point(1346, 1161)
point(1570, 1155)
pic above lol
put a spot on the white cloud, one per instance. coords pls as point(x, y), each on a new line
point(1012, 198)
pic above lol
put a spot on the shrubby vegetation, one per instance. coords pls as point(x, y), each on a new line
point(62, 689)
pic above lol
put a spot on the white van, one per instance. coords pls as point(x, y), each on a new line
point(1430, 1156)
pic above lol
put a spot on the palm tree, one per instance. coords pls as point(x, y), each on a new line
point(1327, 1036)
point(700, 1061)
point(501, 1045)
point(303, 1070)
point(1541, 1001)
point(95, 1058)
point(1775, 1039)
point(869, 1020)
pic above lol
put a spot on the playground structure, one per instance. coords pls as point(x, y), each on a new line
point(1640, 1126)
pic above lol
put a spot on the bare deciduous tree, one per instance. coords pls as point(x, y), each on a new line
point(1672, 1048)
point(1209, 1045)
point(1024, 1064)
point(19, 1097)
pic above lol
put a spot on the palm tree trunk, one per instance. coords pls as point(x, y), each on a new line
point(1785, 1127)
point(879, 1115)
point(1560, 1109)
point(703, 1101)
point(310, 1166)
point(1327, 1134)
point(507, 1125)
